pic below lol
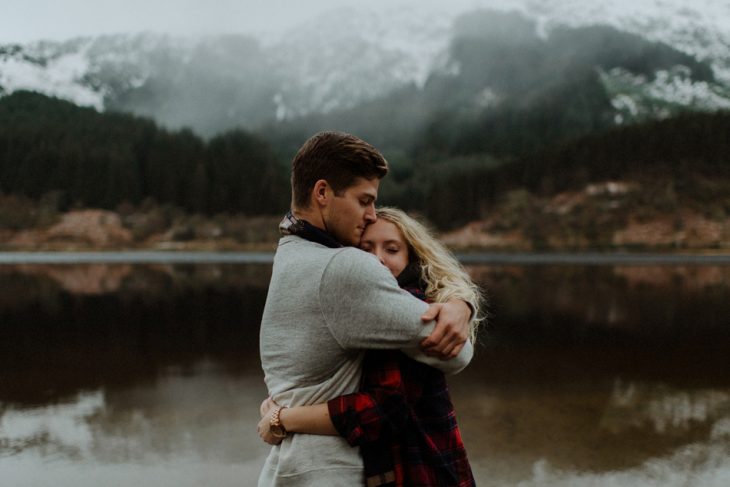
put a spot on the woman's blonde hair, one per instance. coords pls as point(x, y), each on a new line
point(442, 274)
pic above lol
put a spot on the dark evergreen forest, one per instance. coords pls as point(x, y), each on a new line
point(91, 159)
point(103, 159)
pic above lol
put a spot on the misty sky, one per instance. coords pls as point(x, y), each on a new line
point(28, 20)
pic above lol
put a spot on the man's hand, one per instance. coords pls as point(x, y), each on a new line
point(264, 428)
point(451, 330)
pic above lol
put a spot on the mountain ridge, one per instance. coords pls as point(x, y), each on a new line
point(343, 58)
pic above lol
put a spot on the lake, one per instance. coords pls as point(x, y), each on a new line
point(589, 372)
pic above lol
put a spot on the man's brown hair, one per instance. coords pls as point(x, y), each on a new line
point(336, 157)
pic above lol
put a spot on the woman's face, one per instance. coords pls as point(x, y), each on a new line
point(385, 241)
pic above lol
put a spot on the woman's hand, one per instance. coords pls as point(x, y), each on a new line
point(264, 426)
point(267, 405)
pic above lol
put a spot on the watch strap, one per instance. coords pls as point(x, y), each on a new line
point(277, 429)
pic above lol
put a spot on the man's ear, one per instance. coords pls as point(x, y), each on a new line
point(320, 193)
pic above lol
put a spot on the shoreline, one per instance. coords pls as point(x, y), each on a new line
point(151, 256)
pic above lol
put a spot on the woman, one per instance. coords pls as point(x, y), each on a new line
point(402, 418)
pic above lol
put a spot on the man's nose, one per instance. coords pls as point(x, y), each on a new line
point(370, 215)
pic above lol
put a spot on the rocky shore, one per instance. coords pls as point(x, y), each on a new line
point(610, 216)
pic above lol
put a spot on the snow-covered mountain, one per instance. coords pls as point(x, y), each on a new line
point(700, 29)
point(351, 55)
point(86, 71)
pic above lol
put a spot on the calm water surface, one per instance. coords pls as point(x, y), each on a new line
point(131, 374)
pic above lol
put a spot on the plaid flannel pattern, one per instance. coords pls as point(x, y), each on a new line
point(404, 423)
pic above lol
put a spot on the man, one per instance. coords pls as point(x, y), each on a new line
point(329, 301)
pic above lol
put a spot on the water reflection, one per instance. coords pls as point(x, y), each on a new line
point(197, 416)
point(55, 430)
point(169, 419)
point(130, 374)
point(596, 426)
point(55, 342)
point(664, 409)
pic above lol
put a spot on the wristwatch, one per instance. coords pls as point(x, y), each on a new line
point(277, 429)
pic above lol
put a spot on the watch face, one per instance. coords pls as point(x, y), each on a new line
point(277, 430)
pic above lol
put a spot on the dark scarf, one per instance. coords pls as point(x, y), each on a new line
point(409, 278)
point(292, 225)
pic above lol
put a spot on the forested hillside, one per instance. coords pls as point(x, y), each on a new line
point(57, 154)
point(90, 159)
point(688, 156)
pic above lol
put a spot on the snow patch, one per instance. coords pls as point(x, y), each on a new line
point(61, 77)
point(675, 87)
point(635, 96)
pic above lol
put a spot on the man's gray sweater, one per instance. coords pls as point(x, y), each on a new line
point(324, 308)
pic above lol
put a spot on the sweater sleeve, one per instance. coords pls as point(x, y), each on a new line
point(379, 409)
point(364, 308)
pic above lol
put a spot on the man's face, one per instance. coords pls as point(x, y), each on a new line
point(348, 214)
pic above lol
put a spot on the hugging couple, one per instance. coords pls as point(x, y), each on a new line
point(366, 312)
